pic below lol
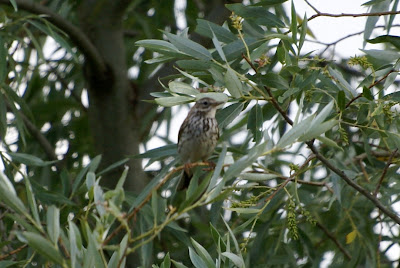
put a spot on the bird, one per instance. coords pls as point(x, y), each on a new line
point(198, 135)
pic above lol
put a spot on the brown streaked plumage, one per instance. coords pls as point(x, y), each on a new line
point(198, 134)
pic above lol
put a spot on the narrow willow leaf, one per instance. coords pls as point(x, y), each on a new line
point(237, 260)
point(3, 60)
point(303, 32)
point(166, 262)
point(233, 83)
point(384, 55)
point(275, 81)
point(196, 260)
point(318, 130)
point(179, 264)
point(381, 6)
point(258, 176)
point(9, 196)
point(235, 242)
point(53, 223)
point(218, 168)
point(342, 82)
point(172, 101)
point(228, 114)
point(351, 236)
point(189, 47)
point(255, 122)
point(325, 112)
point(236, 168)
point(245, 210)
point(113, 166)
point(161, 152)
point(217, 46)
point(293, 23)
point(32, 202)
point(182, 88)
point(294, 133)
point(30, 160)
point(367, 94)
point(44, 247)
point(341, 99)
point(221, 97)
point(203, 254)
point(329, 142)
point(209, 29)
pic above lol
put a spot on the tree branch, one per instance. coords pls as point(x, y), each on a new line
point(76, 35)
point(384, 172)
point(334, 239)
point(336, 170)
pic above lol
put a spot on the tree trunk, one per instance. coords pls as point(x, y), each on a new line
point(111, 111)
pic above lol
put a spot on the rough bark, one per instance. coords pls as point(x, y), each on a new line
point(111, 110)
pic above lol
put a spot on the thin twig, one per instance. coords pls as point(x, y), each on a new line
point(370, 86)
point(334, 239)
point(339, 172)
point(79, 38)
point(389, 162)
point(148, 197)
point(15, 251)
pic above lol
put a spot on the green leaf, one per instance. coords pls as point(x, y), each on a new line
point(258, 176)
point(161, 152)
point(303, 33)
point(341, 99)
point(30, 160)
point(210, 29)
point(293, 23)
point(75, 245)
point(228, 114)
point(217, 46)
point(53, 223)
point(189, 47)
point(166, 262)
point(294, 133)
point(317, 130)
point(367, 94)
point(172, 101)
point(196, 260)
point(381, 6)
point(245, 210)
point(383, 55)
point(255, 122)
point(321, 116)
point(273, 80)
point(32, 202)
point(178, 264)
point(14, 4)
point(235, 49)
point(113, 166)
point(203, 254)
point(348, 89)
point(3, 61)
point(259, 14)
point(218, 168)
point(44, 247)
point(238, 261)
point(233, 83)
point(9, 196)
point(182, 88)
point(394, 40)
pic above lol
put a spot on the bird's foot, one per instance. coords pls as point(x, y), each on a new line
point(211, 166)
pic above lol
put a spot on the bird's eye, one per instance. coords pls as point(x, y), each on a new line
point(205, 103)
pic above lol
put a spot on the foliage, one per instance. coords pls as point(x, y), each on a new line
point(307, 163)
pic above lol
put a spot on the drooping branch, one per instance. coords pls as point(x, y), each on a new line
point(77, 36)
point(336, 170)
